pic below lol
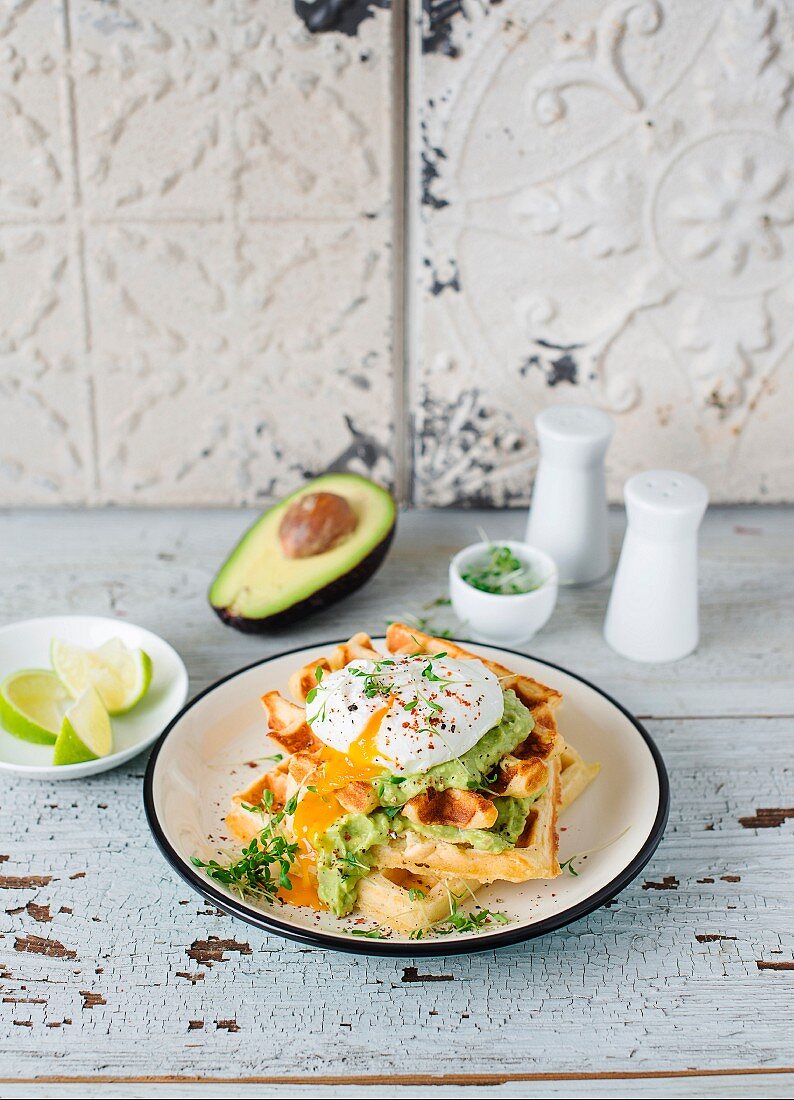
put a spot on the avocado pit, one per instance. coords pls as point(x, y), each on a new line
point(315, 523)
point(305, 552)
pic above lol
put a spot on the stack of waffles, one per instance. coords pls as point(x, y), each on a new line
point(413, 877)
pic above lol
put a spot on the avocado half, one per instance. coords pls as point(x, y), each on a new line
point(258, 587)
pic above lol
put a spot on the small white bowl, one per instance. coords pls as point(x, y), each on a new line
point(503, 619)
point(27, 645)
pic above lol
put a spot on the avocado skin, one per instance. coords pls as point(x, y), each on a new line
point(323, 597)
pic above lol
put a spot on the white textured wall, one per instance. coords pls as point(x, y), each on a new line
point(196, 230)
point(608, 198)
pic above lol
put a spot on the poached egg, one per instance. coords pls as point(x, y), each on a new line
point(404, 715)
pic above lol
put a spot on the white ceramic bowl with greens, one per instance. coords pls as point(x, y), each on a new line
point(504, 591)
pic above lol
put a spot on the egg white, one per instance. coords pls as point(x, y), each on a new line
point(413, 740)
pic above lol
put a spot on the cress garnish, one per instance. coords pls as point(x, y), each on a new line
point(501, 574)
point(458, 920)
point(252, 873)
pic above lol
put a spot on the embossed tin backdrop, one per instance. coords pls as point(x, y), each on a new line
point(202, 240)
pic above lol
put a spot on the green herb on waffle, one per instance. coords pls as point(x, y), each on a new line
point(263, 866)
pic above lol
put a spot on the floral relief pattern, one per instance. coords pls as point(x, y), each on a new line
point(735, 208)
point(596, 208)
point(44, 391)
point(661, 217)
point(595, 61)
point(724, 340)
point(196, 240)
point(745, 73)
point(196, 307)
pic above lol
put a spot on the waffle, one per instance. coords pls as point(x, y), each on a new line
point(575, 775)
point(414, 878)
point(409, 902)
point(535, 856)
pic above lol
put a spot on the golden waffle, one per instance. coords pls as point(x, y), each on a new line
point(576, 775)
point(243, 823)
point(287, 725)
point(534, 857)
point(409, 902)
point(415, 877)
point(358, 648)
point(459, 809)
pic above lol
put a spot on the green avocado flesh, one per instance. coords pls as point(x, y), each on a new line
point(503, 834)
point(258, 586)
point(343, 857)
point(471, 769)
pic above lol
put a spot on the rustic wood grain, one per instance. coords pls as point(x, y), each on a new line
point(684, 1084)
point(154, 568)
point(109, 965)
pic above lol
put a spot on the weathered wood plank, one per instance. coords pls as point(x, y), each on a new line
point(154, 568)
point(719, 1085)
point(668, 977)
point(108, 964)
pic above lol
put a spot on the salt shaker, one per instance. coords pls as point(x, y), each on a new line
point(568, 516)
point(653, 608)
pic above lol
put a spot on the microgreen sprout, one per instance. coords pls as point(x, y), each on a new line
point(377, 681)
point(458, 920)
point(319, 714)
point(435, 707)
point(263, 866)
point(312, 692)
point(263, 807)
point(354, 862)
point(311, 695)
point(373, 682)
point(568, 864)
point(429, 673)
point(501, 573)
point(439, 601)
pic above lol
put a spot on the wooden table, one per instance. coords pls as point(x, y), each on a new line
point(114, 971)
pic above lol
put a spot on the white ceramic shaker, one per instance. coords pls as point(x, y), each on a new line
point(653, 608)
point(568, 515)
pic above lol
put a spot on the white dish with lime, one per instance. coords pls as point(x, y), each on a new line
point(81, 694)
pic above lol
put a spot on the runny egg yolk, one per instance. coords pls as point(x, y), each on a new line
point(318, 809)
point(304, 884)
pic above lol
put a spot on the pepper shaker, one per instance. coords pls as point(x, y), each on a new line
point(568, 516)
point(653, 608)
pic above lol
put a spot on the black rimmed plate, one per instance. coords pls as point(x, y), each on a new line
point(215, 744)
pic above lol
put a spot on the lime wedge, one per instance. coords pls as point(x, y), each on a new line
point(85, 733)
point(32, 705)
point(120, 675)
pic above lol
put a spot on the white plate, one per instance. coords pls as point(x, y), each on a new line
point(27, 645)
point(209, 749)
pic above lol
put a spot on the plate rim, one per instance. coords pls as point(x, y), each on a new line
point(417, 948)
point(87, 768)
